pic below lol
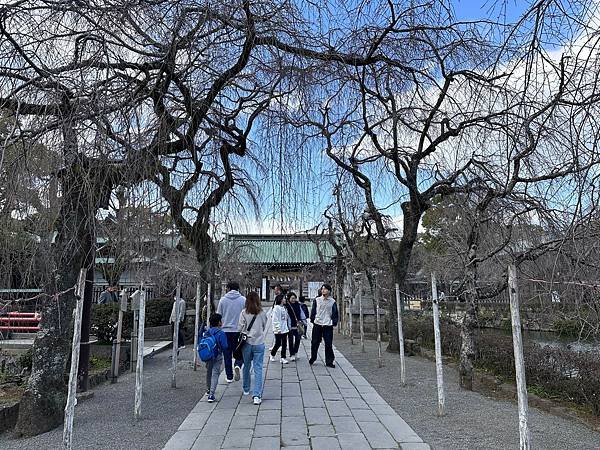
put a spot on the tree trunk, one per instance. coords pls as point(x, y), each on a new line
point(43, 403)
point(467, 346)
point(411, 216)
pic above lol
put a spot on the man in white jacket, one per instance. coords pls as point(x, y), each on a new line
point(181, 316)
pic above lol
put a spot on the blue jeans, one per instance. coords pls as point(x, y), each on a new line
point(213, 369)
point(254, 354)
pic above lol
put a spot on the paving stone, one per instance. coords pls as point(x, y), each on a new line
point(203, 406)
point(337, 408)
point(290, 389)
point(268, 417)
point(243, 422)
point(345, 425)
point(329, 443)
point(204, 442)
point(266, 443)
point(268, 403)
point(194, 421)
point(312, 399)
point(349, 393)
point(415, 446)
point(353, 441)
point(246, 409)
point(320, 430)
point(377, 435)
point(383, 410)
point(182, 440)
point(356, 403)
point(373, 399)
point(267, 431)
point(317, 416)
point(364, 415)
point(238, 438)
point(399, 429)
point(332, 396)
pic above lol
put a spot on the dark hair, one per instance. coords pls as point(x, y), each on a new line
point(253, 305)
point(215, 319)
point(278, 286)
point(291, 294)
point(302, 299)
point(233, 286)
point(326, 286)
point(279, 299)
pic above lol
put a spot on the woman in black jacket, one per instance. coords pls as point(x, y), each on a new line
point(295, 312)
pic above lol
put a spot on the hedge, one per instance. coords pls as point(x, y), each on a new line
point(558, 373)
point(104, 318)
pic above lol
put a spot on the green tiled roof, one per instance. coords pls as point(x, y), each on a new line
point(273, 249)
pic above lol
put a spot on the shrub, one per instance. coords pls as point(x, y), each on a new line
point(556, 372)
point(105, 316)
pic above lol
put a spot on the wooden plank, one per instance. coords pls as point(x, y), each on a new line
point(139, 370)
point(400, 336)
point(439, 370)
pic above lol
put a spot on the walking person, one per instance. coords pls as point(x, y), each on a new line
point(179, 316)
point(295, 314)
point(281, 327)
point(305, 314)
point(324, 316)
point(230, 307)
point(253, 323)
point(213, 366)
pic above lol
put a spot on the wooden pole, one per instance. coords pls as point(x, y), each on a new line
point(175, 336)
point(438, 346)
point(117, 357)
point(208, 301)
point(350, 305)
point(134, 338)
point(524, 436)
point(196, 324)
point(72, 392)
point(361, 321)
point(378, 325)
point(139, 370)
point(400, 336)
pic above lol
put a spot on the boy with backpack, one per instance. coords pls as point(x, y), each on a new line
point(210, 349)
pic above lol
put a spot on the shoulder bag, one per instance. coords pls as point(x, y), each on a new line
point(237, 352)
point(299, 325)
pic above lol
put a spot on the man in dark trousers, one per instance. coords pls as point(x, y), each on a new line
point(324, 317)
point(230, 306)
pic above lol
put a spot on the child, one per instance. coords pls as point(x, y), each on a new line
point(213, 367)
point(281, 327)
point(305, 314)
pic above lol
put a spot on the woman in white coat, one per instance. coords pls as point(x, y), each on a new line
point(281, 328)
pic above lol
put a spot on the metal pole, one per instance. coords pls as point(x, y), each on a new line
point(524, 436)
point(400, 336)
point(72, 392)
point(438, 346)
point(139, 370)
point(196, 324)
point(175, 336)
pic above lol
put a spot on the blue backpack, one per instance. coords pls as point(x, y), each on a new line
point(208, 349)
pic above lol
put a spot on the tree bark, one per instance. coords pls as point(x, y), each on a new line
point(42, 404)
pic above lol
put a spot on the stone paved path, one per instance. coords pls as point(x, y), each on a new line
point(303, 407)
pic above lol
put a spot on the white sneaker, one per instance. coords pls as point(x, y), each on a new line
point(246, 392)
point(229, 381)
point(292, 358)
point(182, 347)
point(236, 373)
point(284, 361)
point(257, 400)
point(271, 358)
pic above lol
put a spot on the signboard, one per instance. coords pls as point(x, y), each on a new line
point(313, 289)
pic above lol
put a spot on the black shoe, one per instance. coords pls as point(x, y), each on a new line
point(332, 365)
point(311, 361)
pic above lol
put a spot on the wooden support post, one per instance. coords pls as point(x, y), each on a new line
point(378, 325)
point(438, 346)
point(134, 337)
point(196, 324)
point(208, 302)
point(139, 370)
point(117, 355)
point(72, 392)
point(399, 310)
point(361, 321)
point(524, 436)
point(350, 307)
point(175, 336)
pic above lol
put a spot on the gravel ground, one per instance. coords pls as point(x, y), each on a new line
point(106, 420)
point(472, 421)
